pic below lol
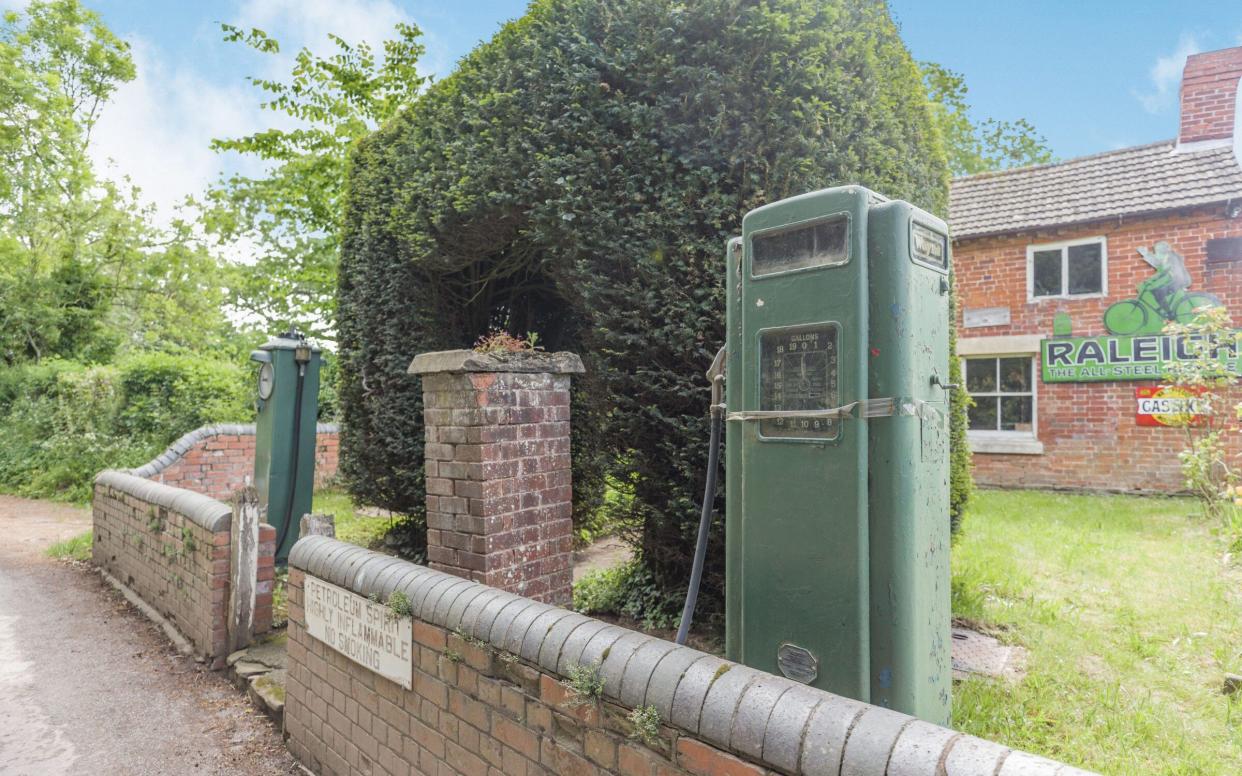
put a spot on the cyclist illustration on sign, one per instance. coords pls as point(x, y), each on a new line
point(1162, 297)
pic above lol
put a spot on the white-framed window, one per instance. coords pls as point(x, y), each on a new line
point(1071, 269)
point(1004, 418)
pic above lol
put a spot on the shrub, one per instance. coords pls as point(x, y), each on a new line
point(164, 396)
point(64, 422)
point(629, 590)
point(577, 177)
point(961, 478)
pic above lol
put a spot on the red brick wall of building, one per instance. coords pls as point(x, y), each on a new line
point(1089, 433)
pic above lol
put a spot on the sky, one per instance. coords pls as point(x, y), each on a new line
point(1091, 75)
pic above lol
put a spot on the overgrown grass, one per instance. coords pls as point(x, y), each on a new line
point(1132, 613)
point(78, 548)
point(350, 526)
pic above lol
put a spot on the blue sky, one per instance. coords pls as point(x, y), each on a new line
point(1090, 75)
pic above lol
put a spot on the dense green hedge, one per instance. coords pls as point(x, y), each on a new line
point(577, 176)
point(63, 422)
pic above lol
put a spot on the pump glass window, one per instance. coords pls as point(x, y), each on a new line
point(822, 243)
point(1004, 394)
point(799, 372)
point(1069, 269)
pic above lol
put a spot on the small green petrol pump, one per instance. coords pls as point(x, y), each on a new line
point(284, 457)
point(837, 469)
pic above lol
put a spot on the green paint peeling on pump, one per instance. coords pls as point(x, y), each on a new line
point(284, 460)
point(837, 533)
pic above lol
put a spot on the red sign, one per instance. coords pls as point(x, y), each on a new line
point(1166, 405)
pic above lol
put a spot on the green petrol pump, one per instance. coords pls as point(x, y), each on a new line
point(837, 530)
point(284, 456)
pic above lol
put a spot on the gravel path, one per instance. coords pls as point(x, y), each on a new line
point(89, 686)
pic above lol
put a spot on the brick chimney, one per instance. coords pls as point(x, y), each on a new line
point(1209, 95)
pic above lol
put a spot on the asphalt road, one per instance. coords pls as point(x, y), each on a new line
point(90, 686)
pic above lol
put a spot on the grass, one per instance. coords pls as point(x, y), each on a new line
point(350, 526)
point(78, 548)
point(1132, 611)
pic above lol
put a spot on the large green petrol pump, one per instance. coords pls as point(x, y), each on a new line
point(837, 448)
point(284, 456)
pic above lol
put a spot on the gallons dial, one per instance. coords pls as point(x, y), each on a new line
point(267, 381)
point(799, 372)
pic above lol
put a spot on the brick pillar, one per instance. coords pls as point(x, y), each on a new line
point(499, 491)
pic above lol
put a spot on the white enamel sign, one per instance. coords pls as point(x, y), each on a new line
point(360, 629)
point(985, 316)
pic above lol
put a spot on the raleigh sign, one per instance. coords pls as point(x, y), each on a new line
point(1092, 359)
point(1135, 348)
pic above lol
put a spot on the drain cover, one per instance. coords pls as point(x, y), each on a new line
point(975, 654)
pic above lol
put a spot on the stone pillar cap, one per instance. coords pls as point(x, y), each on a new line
point(530, 361)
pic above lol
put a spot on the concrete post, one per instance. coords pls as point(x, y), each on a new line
point(499, 490)
point(243, 566)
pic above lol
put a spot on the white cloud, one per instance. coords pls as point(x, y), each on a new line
point(1166, 76)
point(157, 128)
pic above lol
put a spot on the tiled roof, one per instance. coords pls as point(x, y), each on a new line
point(1143, 179)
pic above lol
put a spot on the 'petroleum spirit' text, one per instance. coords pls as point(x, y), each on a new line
point(366, 632)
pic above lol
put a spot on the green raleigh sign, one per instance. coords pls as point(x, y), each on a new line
point(1136, 349)
point(1092, 359)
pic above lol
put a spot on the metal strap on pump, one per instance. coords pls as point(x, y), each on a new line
point(866, 408)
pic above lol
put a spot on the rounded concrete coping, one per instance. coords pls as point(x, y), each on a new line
point(186, 442)
point(769, 719)
point(202, 510)
point(528, 361)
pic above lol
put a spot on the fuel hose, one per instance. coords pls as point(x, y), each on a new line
point(716, 375)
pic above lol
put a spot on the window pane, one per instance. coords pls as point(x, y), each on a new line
point(980, 375)
point(1048, 273)
point(1085, 276)
point(824, 242)
point(982, 416)
point(1016, 413)
point(1015, 375)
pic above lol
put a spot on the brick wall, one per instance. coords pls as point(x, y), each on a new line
point(171, 547)
point(489, 697)
point(1209, 95)
point(217, 460)
point(499, 489)
point(1088, 430)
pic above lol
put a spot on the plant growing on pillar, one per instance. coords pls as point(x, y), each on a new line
point(501, 341)
point(1208, 387)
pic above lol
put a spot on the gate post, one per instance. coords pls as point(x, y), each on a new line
point(499, 490)
point(243, 566)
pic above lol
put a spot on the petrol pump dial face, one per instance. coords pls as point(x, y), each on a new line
point(799, 372)
point(267, 381)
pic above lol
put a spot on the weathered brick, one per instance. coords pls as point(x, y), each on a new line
point(705, 760)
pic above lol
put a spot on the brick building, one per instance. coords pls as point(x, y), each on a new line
point(1066, 275)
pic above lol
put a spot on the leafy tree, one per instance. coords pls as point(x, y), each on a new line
point(290, 215)
point(978, 147)
point(82, 271)
point(58, 65)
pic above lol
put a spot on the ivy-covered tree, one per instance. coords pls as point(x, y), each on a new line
point(578, 176)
